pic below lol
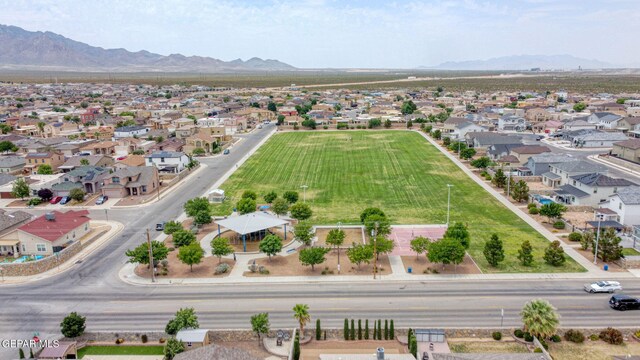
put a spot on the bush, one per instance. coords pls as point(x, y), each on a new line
point(73, 325)
point(496, 335)
point(575, 336)
point(144, 338)
point(637, 334)
point(558, 225)
point(594, 337)
point(34, 202)
point(544, 344)
point(325, 127)
point(534, 211)
point(162, 340)
point(612, 336)
point(221, 269)
point(556, 338)
point(528, 337)
point(537, 350)
point(518, 333)
point(531, 205)
point(119, 341)
point(575, 236)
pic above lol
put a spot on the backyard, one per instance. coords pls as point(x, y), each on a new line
point(397, 171)
point(120, 350)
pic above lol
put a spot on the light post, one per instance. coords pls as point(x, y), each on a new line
point(595, 255)
point(509, 183)
point(501, 318)
point(304, 192)
point(374, 233)
point(153, 267)
point(339, 225)
point(106, 214)
point(449, 186)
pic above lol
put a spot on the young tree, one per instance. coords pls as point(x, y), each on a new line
point(77, 194)
point(260, 324)
point(183, 238)
point(525, 253)
point(140, 254)
point(45, 169)
point(172, 226)
point(270, 196)
point(290, 196)
point(520, 191)
point(467, 153)
point(6, 146)
point(366, 329)
point(20, 189)
point(220, 247)
point(539, 318)
point(280, 206)
point(345, 329)
point(579, 106)
point(386, 329)
point(303, 232)
point(20, 353)
point(420, 245)
point(554, 254)
point(587, 240)
point(392, 331)
point(246, 205)
point(493, 250)
point(353, 331)
point(270, 245)
point(196, 205)
point(45, 194)
point(249, 194)
point(184, 319)
point(460, 233)
point(499, 179)
point(335, 238)
point(296, 347)
point(312, 256)
point(359, 329)
point(202, 218)
point(481, 163)
point(73, 325)
point(360, 253)
point(379, 223)
point(408, 107)
point(191, 254)
point(301, 314)
point(371, 211)
point(437, 134)
point(387, 124)
point(446, 251)
point(300, 211)
point(552, 210)
point(318, 330)
point(609, 248)
point(383, 245)
point(172, 348)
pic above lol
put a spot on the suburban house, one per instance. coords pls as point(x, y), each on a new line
point(10, 222)
point(559, 174)
point(523, 153)
point(193, 338)
point(604, 120)
point(171, 144)
point(512, 123)
point(627, 149)
point(89, 160)
point(11, 164)
point(498, 151)
point(52, 232)
point(88, 178)
point(100, 148)
point(483, 140)
point(597, 139)
point(626, 203)
point(130, 131)
point(457, 127)
point(630, 126)
point(201, 140)
point(35, 160)
point(131, 181)
point(168, 161)
point(589, 189)
point(578, 124)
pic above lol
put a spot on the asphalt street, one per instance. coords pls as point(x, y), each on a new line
point(93, 289)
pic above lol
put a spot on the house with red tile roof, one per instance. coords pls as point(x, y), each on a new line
point(52, 232)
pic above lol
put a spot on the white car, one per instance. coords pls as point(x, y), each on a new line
point(603, 286)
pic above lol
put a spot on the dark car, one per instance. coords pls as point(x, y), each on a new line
point(101, 200)
point(624, 302)
point(65, 200)
point(160, 226)
point(226, 152)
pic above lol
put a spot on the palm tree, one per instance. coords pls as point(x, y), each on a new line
point(301, 313)
point(540, 318)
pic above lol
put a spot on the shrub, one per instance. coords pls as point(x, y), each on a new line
point(162, 340)
point(575, 236)
point(73, 325)
point(528, 337)
point(558, 225)
point(34, 202)
point(612, 336)
point(119, 341)
point(518, 333)
point(531, 205)
point(496, 335)
point(637, 334)
point(575, 336)
point(263, 271)
point(325, 127)
point(594, 337)
point(556, 338)
point(221, 269)
point(144, 338)
point(544, 344)
point(537, 350)
point(534, 211)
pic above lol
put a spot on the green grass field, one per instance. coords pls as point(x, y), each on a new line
point(398, 171)
point(120, 350)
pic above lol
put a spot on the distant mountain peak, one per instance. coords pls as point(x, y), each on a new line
point(22, 49)
point(525, 62)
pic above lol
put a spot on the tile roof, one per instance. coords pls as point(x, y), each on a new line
point(571, 190)
point(11, 161)
point(531, 149)
point(580, 166)
point(165, 154)
point(8, 220)
point(633, 144)
point(60, 226)
point(629, 195)
point(596, 179)
point(215, 352)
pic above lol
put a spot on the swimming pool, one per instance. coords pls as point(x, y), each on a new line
point(25, 258)
point(542, 200)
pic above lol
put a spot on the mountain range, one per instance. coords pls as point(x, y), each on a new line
point(525, 62)
point(29, 50)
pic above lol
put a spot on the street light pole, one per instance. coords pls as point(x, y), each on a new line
point(339, 225)
point(374, 233)
point(449, 186)
point(304, 192)
point(153, 268)
point(595, 255)
point(106, 214)
point(509, 183)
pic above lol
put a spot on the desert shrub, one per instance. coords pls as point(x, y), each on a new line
point(558, 225)
point(544, 344)
point(612, 336)
point(518, 333)
point(144, 338)
point(263, 270)
point(496, 335)
point(34, 201)
point(575, 236)
point(531, 205)
point(575, 336)
point(162, 340)
point(556, 338)
point(325, 127)
point(637, 334)
point(119, 341)
point(534, 211)
point(528, 337)
point(221, 269)
point(594, 337)
point(537, 350)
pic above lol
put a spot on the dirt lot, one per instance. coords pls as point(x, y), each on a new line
point(592, 350)
point(290, 266)
point(313, 350)
point(352, 236)
point(422, 263)
point(489, 346)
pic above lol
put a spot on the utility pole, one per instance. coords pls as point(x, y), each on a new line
point(158, 182)
point(106, 214)
point(595, 255)
point(509, 183)
point(153, 268)
point(449, 186)
point(374, 234)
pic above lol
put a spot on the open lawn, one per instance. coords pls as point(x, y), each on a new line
point(120, 350)
point(398, 171)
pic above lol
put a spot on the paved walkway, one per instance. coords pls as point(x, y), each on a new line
point(605, 162)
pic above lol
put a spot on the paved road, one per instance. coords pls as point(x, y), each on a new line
point(94, 290)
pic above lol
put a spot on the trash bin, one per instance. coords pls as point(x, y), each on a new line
point(606, 267)
point(409, 269)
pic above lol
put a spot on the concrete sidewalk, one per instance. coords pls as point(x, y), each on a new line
point(604, 162)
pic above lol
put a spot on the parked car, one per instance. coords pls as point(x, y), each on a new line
point(603, 286)
point(101, 200)
point(624, 302)
point(55, 200)
point(260, 126)
point(65, 200)
point(160, 226)
point(226, 152)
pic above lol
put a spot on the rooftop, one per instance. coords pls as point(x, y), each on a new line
point(52, 230)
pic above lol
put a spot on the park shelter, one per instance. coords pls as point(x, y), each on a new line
point(216, 195)
point(251, 223)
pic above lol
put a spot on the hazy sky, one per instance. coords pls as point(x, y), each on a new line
point(361, 33)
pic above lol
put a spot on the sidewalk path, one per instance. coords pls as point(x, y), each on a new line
point(604, 162)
